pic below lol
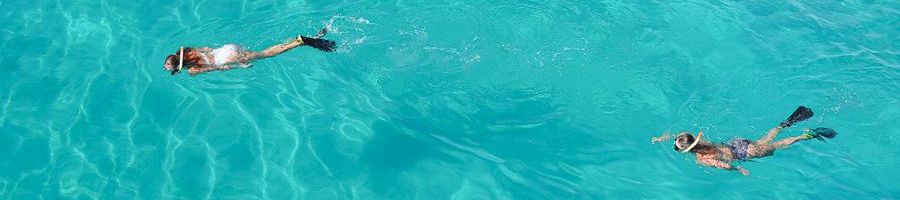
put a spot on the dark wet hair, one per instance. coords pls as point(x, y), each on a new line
point(173, 58)
point(685, 139)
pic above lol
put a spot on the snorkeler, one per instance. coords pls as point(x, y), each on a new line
point(204, 59)
point(720, 155)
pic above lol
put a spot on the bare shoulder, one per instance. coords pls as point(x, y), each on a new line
point(204, 49)
point(706, 158)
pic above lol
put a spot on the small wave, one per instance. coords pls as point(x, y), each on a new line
point(350, 30)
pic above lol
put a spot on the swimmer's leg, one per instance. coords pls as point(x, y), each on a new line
point(769, 136)
point(245, 57)
point(763, 150)
point(281, 48)
point(315, 42)
point(802, 113)
point(785, 143)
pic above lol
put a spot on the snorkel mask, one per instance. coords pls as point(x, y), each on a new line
point(180, 61)
point(693, 144)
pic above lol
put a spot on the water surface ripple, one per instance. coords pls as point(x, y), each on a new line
point(445, 99)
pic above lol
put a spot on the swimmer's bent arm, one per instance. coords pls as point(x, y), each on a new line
point(199, 70)
point(722, 165)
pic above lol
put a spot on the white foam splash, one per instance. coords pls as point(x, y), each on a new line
point(357, 20)
point(351, 28)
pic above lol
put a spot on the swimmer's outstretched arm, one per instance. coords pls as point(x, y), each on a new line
point(723, 165)
point(199, 70)
point(662, 138)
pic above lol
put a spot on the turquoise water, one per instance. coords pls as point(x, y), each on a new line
point(438, 100)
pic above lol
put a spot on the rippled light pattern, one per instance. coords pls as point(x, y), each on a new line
point(446, 99)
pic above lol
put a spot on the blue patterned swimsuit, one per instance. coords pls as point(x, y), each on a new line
point(739, 147)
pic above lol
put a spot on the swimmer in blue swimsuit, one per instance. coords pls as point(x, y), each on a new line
point(203, 59)
point(721, 155)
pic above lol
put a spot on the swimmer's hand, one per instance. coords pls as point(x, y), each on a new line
point(743, 171)
point(661, 138)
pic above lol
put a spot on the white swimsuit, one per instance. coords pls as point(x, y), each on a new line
point(223, 55)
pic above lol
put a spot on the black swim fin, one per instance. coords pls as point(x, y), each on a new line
point(820, 132)
point(321, 44)
point(802, 113)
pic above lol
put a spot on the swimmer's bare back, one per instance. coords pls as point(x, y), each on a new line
point(204, 59)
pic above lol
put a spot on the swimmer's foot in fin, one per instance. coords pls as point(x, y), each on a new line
point(802, 113)
point(317, 41)
point(820, 133)
point(321, 44)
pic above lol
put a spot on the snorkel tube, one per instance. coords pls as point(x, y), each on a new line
point(694, 144)
point(180, 61)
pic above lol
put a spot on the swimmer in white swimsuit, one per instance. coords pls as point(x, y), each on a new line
point(204, 59)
